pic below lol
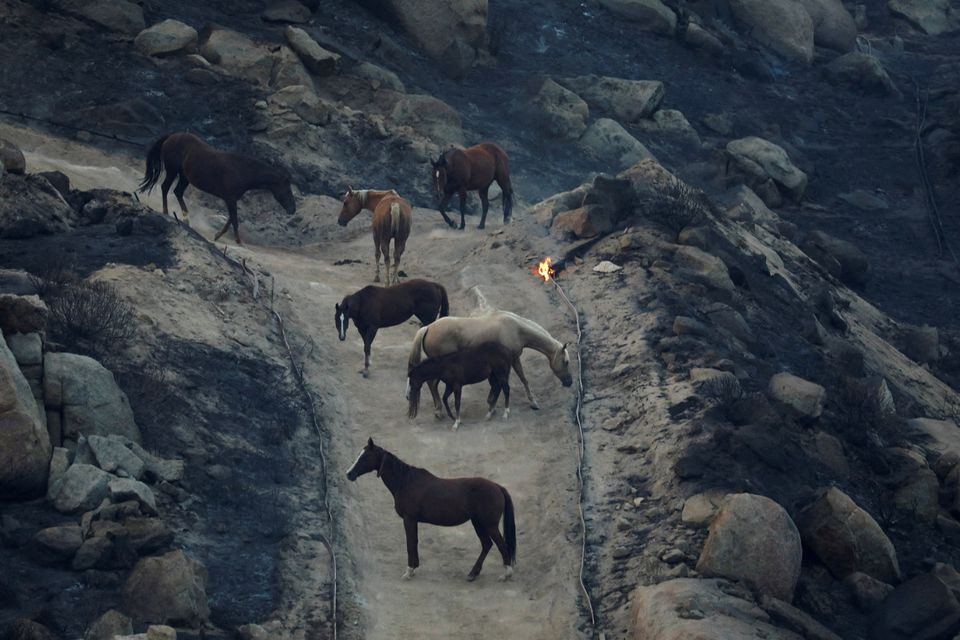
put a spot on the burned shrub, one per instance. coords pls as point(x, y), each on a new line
point(676, 205)
point(89, 316)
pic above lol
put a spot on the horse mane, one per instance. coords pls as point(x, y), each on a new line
point(262, 174)
point(402, 471)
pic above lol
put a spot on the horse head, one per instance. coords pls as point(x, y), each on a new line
point(352, 205)
point(341, 317)
point(370, 459)
point(440, 175)
point(283, 193)
point(560, 365)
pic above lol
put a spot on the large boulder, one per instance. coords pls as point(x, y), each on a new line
point(286, 11)
point(113, 456)
point(558, 112)
point(430, 117)
point(762, 161)
point(805, 397)
point(847, 539)
point(11, 158)
point(626, 100)
point(649, 15)
point(110, 624)
point(607, 140)
point(60, 542)
point(583, 222)
point(924, 608)
point(165, 38)
point(123, 489)
point(833, 26)
point(861, 71)
point(25, 448)
point(169, 589)
point(81, 488)
point(22, 313)
point(933, 16)
point(709, 609)
point(30, 206)
point(442, 28)
point(304, 102)
point(121, 16)
point(783, 25)
point(238, 55)
point(317, 59)
point(87, 396)
point(752, 538)
point(704, 267)
point(288, 70)
point(842, 259)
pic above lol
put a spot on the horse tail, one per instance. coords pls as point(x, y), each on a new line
point(416, 349)
point(503, 179)
point(395, 219)
point(444, 303)
point(509, 528)
point(154, 165)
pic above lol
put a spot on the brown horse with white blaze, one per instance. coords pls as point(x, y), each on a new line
point(420, 496)
point(392, 220)
point(226, 175)
point(473, 169)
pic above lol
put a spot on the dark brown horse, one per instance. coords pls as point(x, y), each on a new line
point(392, 219)
point(474, 169)
point(420, 496)
point(488, 361)
point(374, 307)
point(225, 175)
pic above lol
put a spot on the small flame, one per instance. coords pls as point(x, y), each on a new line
point(544, 270)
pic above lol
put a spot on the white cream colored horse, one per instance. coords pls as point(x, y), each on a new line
point(516, 333)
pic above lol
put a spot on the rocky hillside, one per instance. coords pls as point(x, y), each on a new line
point(748, 202)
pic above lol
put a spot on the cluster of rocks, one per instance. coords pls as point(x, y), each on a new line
point(561, 109)
point(83, 453)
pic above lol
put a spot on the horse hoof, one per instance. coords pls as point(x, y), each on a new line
point(489, 415)
point(508, 574)
point(480, 226)
point(471, 577)
point(535, 406)
point(456, 425)
point(506, 414)
point(461, 227)
point(440, 416)
point(365, 373)
point(408, 574)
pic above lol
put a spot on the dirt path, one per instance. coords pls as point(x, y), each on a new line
point(532, 454)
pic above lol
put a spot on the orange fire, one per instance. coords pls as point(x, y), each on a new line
point(544, 270)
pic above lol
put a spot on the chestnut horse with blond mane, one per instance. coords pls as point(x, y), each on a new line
point(392, 219)
point(473, 169)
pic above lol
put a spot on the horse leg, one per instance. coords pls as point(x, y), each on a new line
point(413, 558)
point(165, 188)
point(457, 390)
point(493, 396)
point(368, 336)
point(519, 369)
point(443, 205)
point(376, 259)
point(484, 205)
point(232, 207)
point(386, 259)
point(446, 398)
point(463, 207)
point(485, 544)
point(178, 191)
point(502, 548)
point(505, 386)
point(435, 393)
point(225, 226)
point(398, 248)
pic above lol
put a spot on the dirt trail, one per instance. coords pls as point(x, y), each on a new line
point(533, 454)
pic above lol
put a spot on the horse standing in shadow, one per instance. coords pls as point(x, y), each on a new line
point(516, 333)
point(420, 496)
point(225, 175)
point(489, 361)
point(392, 219)
point(474, 169)
point(372, 308)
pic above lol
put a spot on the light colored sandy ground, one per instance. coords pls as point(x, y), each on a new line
point(533, 454)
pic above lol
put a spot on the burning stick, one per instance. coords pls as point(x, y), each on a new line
point(546, 270)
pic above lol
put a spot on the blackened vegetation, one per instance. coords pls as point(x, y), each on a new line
point(90, 316)
point(676, 205)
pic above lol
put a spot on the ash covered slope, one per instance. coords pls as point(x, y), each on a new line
point(374, 104)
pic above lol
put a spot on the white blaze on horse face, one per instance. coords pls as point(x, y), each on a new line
point(355, 462)
point(343, 326)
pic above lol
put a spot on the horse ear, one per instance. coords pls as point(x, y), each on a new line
point(336, 306)
point(370, 442)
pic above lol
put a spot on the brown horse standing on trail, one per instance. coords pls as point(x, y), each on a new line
point(420, 496)
point(473, 169)
point(392, 219)
point(374, 307)
point(225, 175)
point(488, 361)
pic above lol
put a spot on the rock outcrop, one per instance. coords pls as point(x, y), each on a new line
point(752, 538)
point(783, 25)
point(767, 169)
point(558, 112)
point(25, 448)
point(166, 38)
point(648, 15)
point(169, 589)
point(626, 100)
